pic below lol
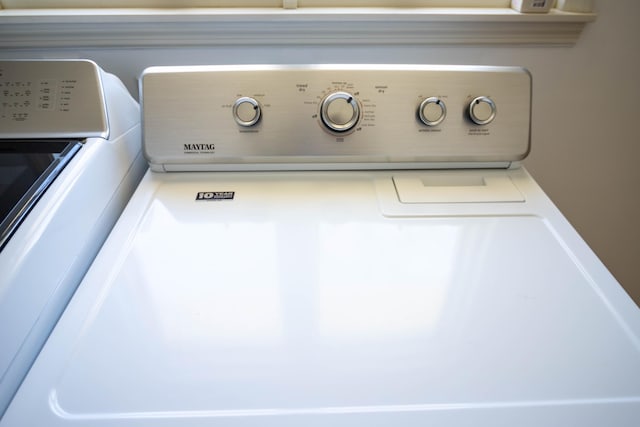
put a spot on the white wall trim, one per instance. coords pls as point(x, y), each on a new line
point(209, 27)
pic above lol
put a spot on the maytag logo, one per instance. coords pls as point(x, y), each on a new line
point(215, 195)
point(199, 148)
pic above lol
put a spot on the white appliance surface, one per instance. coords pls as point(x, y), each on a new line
point(300, 303)
point(47, 255)
point(397, 297)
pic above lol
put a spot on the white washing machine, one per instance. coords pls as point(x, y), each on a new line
point(70, 158)
point(343, 246)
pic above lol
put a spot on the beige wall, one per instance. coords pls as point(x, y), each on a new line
point(586, 139)
point(586, 113)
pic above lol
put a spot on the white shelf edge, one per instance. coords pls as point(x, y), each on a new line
point(210, 27)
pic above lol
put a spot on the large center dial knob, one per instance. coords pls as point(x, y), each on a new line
point(340, 111)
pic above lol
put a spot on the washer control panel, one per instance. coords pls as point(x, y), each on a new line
point(51, 99)
point(334, 116)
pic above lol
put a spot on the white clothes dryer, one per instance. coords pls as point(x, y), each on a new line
point(346, 245)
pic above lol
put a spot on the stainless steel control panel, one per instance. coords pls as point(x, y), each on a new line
point(51, 99)
point(334, 116)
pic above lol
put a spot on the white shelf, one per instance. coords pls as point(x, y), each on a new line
point(210, 27)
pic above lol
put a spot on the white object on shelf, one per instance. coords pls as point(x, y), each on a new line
point(532, 6)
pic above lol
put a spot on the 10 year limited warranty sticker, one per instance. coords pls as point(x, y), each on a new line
point(215, 195)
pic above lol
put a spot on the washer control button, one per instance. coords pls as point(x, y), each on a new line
point(340, 111)
point(246, 111)
point(432, 111)
point(482, 110)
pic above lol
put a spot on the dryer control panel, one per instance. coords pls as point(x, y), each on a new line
point(335, 116)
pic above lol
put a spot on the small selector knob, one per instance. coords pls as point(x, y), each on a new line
point(340, 111)
point(432, 111)
point(482, 110)
point(246, 111)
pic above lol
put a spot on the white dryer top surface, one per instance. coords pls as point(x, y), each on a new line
point(308, 299)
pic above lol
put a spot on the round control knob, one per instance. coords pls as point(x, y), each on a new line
point(482, 110)
point(246, 111)
point(340, 111)
point(432, 111)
